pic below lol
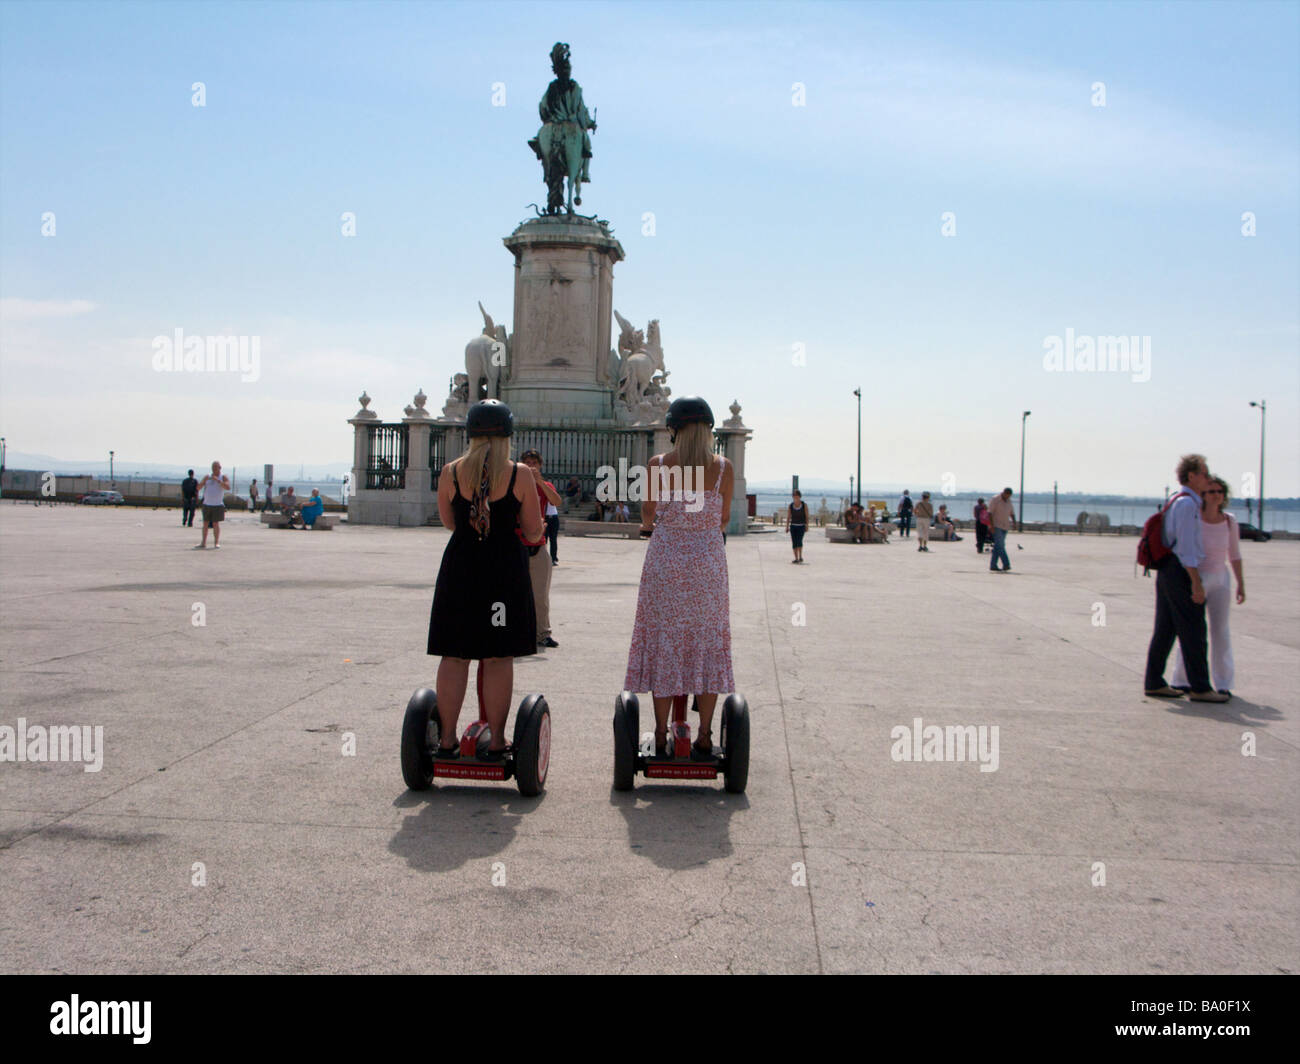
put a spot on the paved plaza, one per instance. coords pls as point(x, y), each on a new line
point(229, 831)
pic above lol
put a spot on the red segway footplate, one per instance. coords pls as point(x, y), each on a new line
point(669, 770)
point(469, 770)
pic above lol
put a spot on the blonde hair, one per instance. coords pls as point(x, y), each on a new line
point(695, 445)
point(494, 450)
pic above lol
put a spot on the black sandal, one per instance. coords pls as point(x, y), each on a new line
point(448, 753)
point(703, 753)
point(494, 755)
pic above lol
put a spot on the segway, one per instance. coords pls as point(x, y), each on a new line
point(730, 760)
point(526, 761)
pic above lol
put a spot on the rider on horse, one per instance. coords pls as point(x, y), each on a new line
point(562, 144)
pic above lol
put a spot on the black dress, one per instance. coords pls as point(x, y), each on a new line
point(483, 601)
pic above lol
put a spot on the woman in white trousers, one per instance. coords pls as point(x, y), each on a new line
point(1222, 547)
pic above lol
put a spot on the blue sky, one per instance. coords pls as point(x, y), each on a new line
point(775, 225)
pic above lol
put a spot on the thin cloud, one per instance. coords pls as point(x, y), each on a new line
point(27, 309)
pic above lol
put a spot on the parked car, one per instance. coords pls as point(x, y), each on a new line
point(102, 498)
point(1251, 532)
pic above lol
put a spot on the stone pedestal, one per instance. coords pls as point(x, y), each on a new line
point(559, 358)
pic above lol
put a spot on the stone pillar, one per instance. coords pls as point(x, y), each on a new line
point(564, 291)
point(416, 500)
point(360, 422)
point(737, 435)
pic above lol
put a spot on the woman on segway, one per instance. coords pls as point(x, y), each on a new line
point(483, 601)
point(681, 642)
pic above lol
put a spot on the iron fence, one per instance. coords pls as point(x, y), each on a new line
point(388, 447)
point(437, 454)
point(580, 453)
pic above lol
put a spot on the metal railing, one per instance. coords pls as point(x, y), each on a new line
point(388, 450)
point(437, 454)
point(580, 453)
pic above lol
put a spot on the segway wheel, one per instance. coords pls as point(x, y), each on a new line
point(627, 725)
point(532, 745)
point(420, 737)
point(735, 742)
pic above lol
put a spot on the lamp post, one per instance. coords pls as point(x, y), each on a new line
point(2, 465)
point(1020, 509)
point(858, 393)
point(1260, 404)
point(112, 483)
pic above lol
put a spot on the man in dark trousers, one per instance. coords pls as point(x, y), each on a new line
point(982, 526)
point(1180, 597)
point(189, 499)
point(905, 515)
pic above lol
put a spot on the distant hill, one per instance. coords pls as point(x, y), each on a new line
point(162, 470)
point(822, 486)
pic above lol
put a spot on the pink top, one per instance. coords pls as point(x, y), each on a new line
point(1221, 543)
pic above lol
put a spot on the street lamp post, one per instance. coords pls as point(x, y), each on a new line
point(858, 393)
point(1020, 509)
point(1261, 406)
point(112, 482)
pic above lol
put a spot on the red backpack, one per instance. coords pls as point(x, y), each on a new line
point(1152, 551)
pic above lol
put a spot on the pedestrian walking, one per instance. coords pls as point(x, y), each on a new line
point(213, 488)
point(189, 499)
point(1180, 590)
point(252, 496)
point(923, 511)
point(539, 564)
point(1222, 543)
point(982, 536)
point(1001, 514)
point(905, 509)
point(798, 524)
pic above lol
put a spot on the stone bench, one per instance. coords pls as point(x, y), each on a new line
point(621, 529)
point(839, 534)
point(324, 523)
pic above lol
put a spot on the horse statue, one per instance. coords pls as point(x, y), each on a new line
point(485, 356)
point(562, 144)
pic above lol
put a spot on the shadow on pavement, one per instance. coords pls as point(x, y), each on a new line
point(457, 824)
point(678, 825)
point(1238, 711)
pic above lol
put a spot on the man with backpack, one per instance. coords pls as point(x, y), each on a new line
point(1176, 554)
point(905, 515)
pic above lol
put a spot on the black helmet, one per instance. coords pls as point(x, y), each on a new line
point(687, 409)
point(489, 417)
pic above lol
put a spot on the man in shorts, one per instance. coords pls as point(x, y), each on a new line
point(212, 490)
